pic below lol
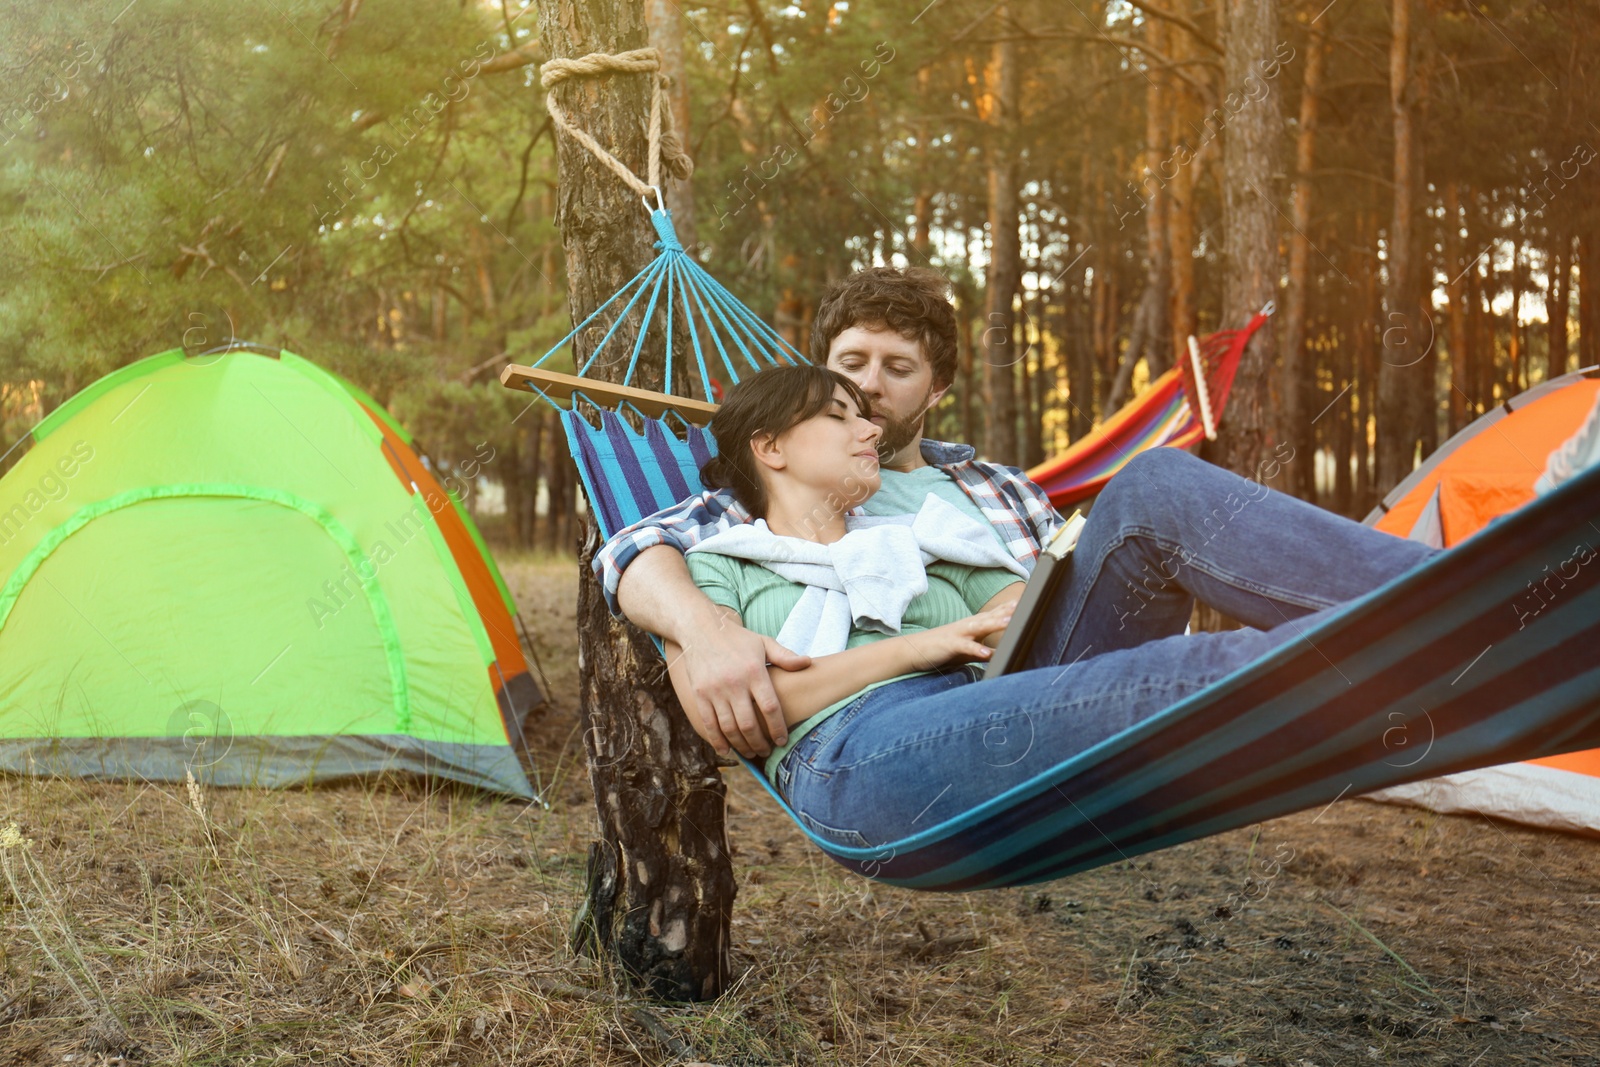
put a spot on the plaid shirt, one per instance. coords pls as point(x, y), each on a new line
point(1019, 511)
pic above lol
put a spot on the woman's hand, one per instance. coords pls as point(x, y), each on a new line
point(958, 642)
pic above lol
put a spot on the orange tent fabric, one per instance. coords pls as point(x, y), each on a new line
point(1484, 471)
point(1493, 471)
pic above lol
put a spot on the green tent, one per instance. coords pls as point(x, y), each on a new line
point(238, 566)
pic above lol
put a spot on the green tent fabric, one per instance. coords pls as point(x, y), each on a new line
point(237, 566)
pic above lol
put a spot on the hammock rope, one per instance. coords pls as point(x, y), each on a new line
point(725, 337)
point(663, 139)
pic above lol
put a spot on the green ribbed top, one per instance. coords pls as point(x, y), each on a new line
point(764, 599)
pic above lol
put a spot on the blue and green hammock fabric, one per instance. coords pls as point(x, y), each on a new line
point(1441, 670)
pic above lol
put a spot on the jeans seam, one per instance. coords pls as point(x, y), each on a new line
point(923, 739)
point(1225, 577)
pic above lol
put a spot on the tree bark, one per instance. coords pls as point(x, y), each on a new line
point(1253, 265)
point(1078, 330)
point(1158, 125)
point(969, 385)
point(1002, 84)
point(1298, 381)
point(1456, 293)
point(1183, 317)
point(1343, 426)
point(1556, 305)
point(1405, 333)
point(1368, 313)
point(660, 885)
point(1516, 373)
point(1037, 378)
point(1588, 300)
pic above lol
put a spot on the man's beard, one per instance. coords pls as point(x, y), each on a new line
point(898, 432)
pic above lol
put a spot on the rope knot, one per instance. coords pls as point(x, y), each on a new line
point(664, 145)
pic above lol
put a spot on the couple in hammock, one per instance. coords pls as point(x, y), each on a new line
point(829, 605)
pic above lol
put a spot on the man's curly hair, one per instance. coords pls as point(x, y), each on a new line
point(914, 303)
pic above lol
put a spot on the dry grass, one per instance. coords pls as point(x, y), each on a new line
point(396, 923)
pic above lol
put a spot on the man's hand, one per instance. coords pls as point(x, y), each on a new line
point(721, 678)
point(718, 668)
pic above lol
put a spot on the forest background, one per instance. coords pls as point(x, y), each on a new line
point(372, 185)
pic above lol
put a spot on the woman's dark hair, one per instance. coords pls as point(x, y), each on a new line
point(769, 403)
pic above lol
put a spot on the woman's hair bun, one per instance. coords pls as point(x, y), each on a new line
point(717, 473)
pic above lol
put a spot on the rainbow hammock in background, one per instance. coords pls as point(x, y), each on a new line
point(1178, 409)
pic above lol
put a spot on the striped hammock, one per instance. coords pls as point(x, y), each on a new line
point(1431, 674)
point(1166, 413)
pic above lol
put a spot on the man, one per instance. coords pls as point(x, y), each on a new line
point(1167, 530)
point(892, 332)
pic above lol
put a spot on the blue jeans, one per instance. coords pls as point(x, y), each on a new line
point(1167, 530)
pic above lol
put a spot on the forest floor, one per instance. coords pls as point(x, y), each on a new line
point(396, 923)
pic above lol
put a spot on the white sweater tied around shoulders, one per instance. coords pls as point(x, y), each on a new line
point(868, 577)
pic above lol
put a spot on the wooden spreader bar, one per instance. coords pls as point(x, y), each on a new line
point(558, 386)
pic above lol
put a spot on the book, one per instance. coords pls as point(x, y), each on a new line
point(1048, 579)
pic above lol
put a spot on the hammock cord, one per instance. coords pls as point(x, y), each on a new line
point(663, 141)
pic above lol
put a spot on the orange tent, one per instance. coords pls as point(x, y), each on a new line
point(1484, 471)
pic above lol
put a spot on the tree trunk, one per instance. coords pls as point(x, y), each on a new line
point(1456, 293)
point(1183, 318)
point(1253, 265)
point(1588, 300)
point(1427, 400)
point(660, 886)
point(968, 384)
point(1556, 307)
point(1002, 82)
point(1033, 377)
point(1079, 332)
point(1158, 125)
point(1405, 333)
point(1481, 350)
point(555, 483)
point(922, 229)
point(1343, 426)
point(510, 464)
point(1516, 373)
point(1368, 311)
point(1298, 380)
point(535, 420)
point(665, 20)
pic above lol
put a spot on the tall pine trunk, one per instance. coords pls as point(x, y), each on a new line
point(660, 885)
point(1556, 307)
point(1400, 383)
point(1456, 293)
point(1158, 124)
point(1588, 299)
point(1298, 378)
point(1000, 345)
point(1253, 266)
point(1368, 313)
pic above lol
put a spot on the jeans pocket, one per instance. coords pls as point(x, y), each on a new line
point(817, 738)
point(832, 834)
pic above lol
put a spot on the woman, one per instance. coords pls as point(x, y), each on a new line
point(887, 736)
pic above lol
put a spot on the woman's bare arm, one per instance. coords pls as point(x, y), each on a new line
point(832, 678)
point(1005, 598)
point(829, 679)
